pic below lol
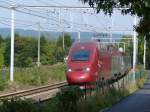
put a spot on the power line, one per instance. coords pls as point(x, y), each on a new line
point(47, 3)
point(43, 2)
point(8, 18)
point(56, 2)
point(8, 3)
point(54, 19)
point(55, 6)
point(39, 13)
point(23, 21)
point(64, 21)
point(5, 22)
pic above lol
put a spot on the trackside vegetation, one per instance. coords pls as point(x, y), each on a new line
point(33, 76)
point(73, 99)
point(26, 72)
point(26, 50)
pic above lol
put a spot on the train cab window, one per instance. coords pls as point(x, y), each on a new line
point(82, 55)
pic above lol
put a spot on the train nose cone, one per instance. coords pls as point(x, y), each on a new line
point(78, 77)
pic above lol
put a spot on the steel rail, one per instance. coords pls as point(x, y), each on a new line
point(33, 91)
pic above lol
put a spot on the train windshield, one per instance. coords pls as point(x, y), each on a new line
point(82, 55)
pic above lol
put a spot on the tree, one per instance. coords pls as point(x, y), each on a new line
point(47, 52)
point(128, 44)
point(141, 8)
point(7, 51)
point(1, 51)
point(51, 51)
point(25, 51)
point(140, 50)
point(60, 52)
point(148, 55)
point(42, 40)
point(67, 42)
point(1, 40)
point(1, 58)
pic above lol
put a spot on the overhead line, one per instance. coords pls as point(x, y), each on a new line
point(56, 2)
point(17, 19)
point(54, 6)
point(43, 2)
point(64, 6)
point(22, 21)
point(21, 24)
point(47, 3)
point(64, 21)
point(8, 3)
point(39, 13)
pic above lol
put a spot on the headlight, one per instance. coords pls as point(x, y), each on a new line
point(69, 70)
point(87, 69)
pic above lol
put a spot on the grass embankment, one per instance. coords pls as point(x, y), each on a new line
point(112, 95)
point(73, 99)
point(140, 77)
point(35, 76)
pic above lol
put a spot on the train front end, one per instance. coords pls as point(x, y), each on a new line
point(80, 64)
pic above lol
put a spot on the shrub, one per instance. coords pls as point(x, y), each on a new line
point(1, 58)
point(3, 83)
point(18, 105)
point(37, 76)
point(68, 98)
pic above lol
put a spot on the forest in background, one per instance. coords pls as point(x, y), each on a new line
point(26, 50)
point(51, 50)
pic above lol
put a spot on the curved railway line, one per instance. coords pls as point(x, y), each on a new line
point(42, 93)
point(38, 90)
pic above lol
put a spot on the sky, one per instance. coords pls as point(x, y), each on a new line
point(56, 19)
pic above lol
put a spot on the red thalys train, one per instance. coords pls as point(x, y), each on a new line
point(89, 61)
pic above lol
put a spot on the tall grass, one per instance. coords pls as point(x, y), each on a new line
point(39, 76)
point(35, 76)
point(18, 105)
point(72, 99)
point(101, 100)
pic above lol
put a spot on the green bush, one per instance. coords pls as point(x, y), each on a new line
point(36, 76)
point(64, 101)
point(18, 105)
point(3, 83)
point(68, 99)
point(101, 100)
point(1, 58)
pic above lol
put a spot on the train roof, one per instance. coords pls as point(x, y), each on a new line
point(91, 45)
point(84, 45)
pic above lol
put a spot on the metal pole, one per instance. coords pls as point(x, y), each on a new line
point(134, 49)
point(118, 46)
point(79, 36)
point(39, 36)
point(124, 47)
point(12, 44)
point(60, 24)
point(137, 44)
point(71, 20)
point(63, 39)
point(111, 28)
point(144, 57)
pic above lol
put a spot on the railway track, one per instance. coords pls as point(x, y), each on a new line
point(38, 90)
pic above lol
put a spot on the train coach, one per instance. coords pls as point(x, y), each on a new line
point(90, 61)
